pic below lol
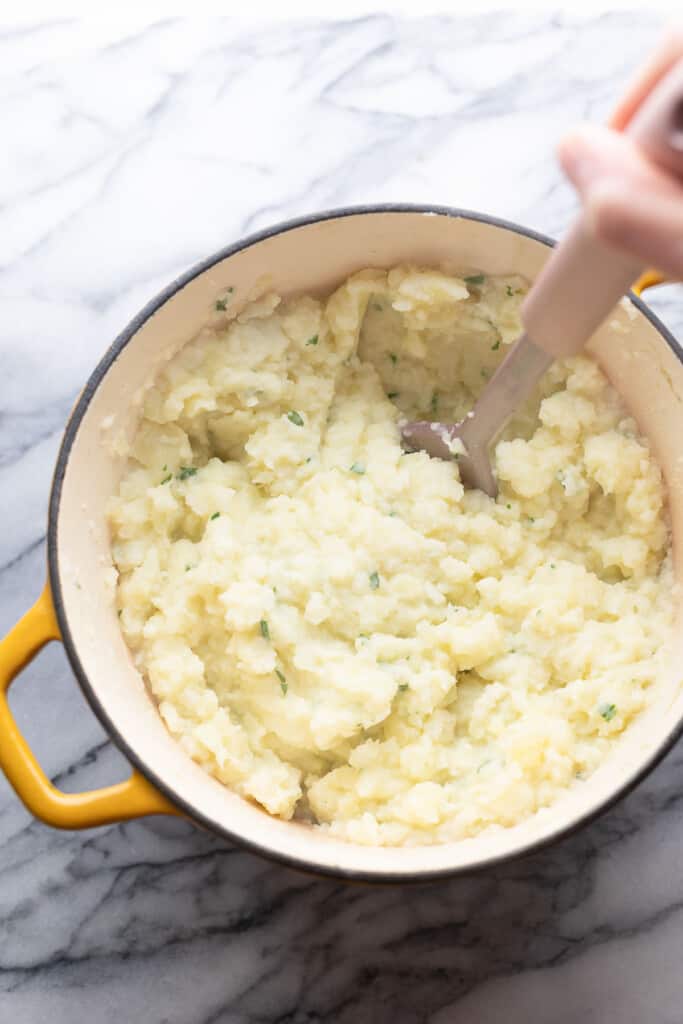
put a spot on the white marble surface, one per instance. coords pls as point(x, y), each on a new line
point(128, 153)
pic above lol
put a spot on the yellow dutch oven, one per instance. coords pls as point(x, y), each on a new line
point(310, 255)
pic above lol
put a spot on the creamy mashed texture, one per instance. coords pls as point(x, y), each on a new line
point(337, 629)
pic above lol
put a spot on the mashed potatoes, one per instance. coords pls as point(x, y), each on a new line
point(336, 629)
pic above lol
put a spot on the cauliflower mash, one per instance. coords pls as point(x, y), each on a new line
point(335, 628)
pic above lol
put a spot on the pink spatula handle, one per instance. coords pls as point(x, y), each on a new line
point(584, 278)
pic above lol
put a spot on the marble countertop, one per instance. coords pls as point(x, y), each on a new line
point(129, 152)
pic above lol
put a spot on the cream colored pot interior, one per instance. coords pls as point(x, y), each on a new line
point(316, 257)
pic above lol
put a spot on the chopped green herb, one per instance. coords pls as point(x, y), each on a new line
point(265, 631)
point(434, 404)
point(221, 305)
point(484, 373)
point(509, 290)
point(608, 711)
point(508, 505)
point(284, 686)
point(475, 279)
point(531, 519)
point(214, 516)
point(164, 468)
point(120, 612)
point(294, 417)
point(309, 459)
point(186, 471)
point(363, 636)
point(374, 580)
point(402, 687)
point(392, 394)
point(393, 357)
point(313, 340)
point(187, 568)
point(496, 345)
point(378, 306)
point(358, 468)
point(552, 565)
point(167, 478)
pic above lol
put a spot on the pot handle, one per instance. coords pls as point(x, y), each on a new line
point(134, 798)
point(649, 279)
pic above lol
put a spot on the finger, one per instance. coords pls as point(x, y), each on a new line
point(630, 203)
point(667, 54)
point(642, 224)
point(591, 153)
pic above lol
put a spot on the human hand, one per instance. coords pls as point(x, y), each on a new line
point(630, 203)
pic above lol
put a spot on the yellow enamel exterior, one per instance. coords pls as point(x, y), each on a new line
point(134, 798)
point(648, 279)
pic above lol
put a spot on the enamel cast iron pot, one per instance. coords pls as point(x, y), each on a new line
point(77, 605)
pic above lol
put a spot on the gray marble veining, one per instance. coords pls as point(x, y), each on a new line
point(129, 153)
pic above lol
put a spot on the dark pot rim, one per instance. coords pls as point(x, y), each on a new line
point(70, 432)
